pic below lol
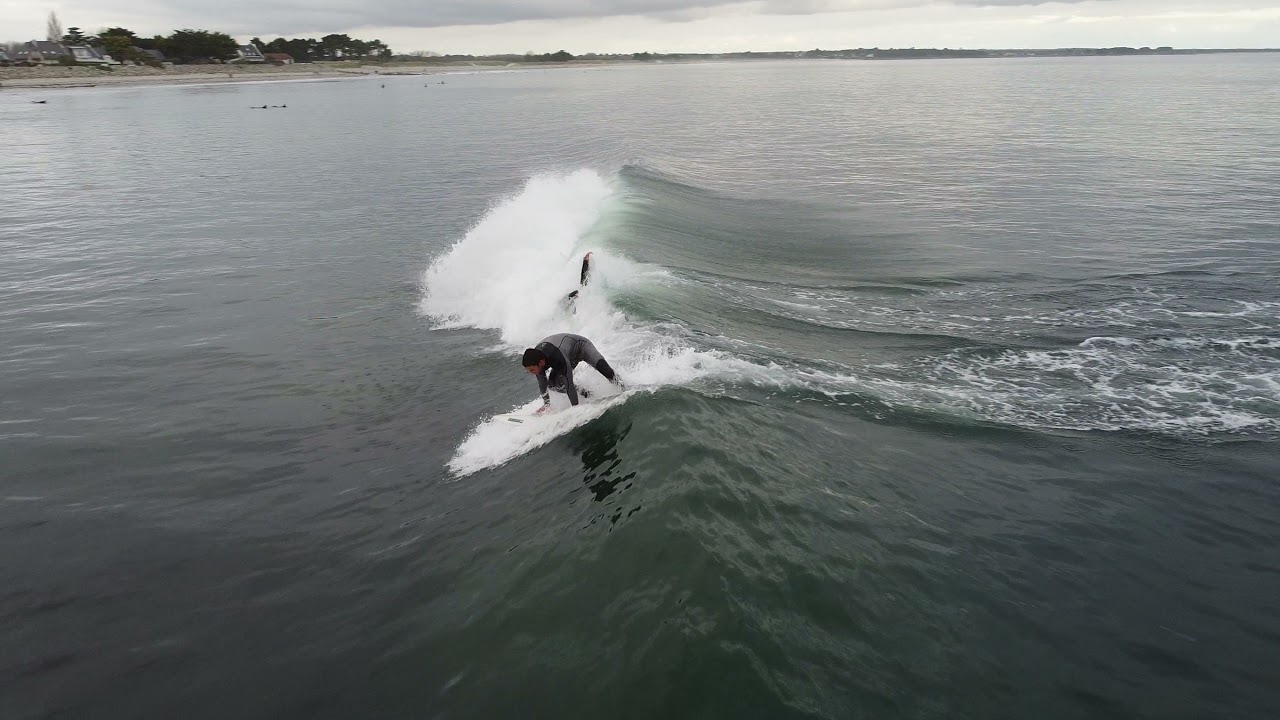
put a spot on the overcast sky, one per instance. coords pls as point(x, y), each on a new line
point(579, 26)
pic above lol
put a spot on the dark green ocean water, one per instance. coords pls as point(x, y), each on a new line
point(954, 392)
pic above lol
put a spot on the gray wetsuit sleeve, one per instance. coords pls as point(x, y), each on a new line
point(542, 386)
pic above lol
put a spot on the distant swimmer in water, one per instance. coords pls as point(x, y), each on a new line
point(560, 354)
point(582, 279)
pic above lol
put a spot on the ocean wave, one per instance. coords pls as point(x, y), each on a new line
point(979, 352)
point(512, 272)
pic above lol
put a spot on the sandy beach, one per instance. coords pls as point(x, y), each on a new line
point(48, 77)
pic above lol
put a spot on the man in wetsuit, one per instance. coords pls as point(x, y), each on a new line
point(559, 354)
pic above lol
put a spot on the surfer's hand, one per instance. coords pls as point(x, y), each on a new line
point(542, 409)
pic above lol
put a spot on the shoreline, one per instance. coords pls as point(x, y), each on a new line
point(80, 77)
point(55, 78)
point(177, 79)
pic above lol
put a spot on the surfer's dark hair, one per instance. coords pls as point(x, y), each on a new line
point(532, 357)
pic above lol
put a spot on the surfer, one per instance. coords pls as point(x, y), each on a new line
point(582, 279)
point(560, 353)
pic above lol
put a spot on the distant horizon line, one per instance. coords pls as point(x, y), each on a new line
point(915, 48)
point(272, 36)
point(1063, 48)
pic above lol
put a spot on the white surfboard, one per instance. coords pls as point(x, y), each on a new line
point(528, 412)
point(511, 434)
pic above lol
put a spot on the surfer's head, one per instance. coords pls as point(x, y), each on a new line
point(533, 360)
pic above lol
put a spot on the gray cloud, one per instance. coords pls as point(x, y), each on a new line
point(285, 16)
point(814, 7)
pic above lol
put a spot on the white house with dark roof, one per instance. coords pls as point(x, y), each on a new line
point(248, 54)
point(86, 55)
point(44, 52)
point(41, 52)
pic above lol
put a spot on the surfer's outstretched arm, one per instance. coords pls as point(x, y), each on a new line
point(535, 363)
point(542, 388)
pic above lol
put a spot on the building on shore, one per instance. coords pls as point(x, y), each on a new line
point(85, 55)
point(44, 52)
point(248, 54)
point(41, 52)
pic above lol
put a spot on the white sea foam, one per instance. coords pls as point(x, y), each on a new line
point(511, 271)
point(1178, 385)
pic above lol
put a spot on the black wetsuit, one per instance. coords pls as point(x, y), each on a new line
point(563, 352)
point(582, 279)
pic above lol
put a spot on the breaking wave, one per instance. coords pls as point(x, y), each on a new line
point(668, 311)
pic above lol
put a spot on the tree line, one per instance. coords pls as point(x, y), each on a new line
point(329, 47)
point(185, 45)
point(434, 58)
point(190, 45)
